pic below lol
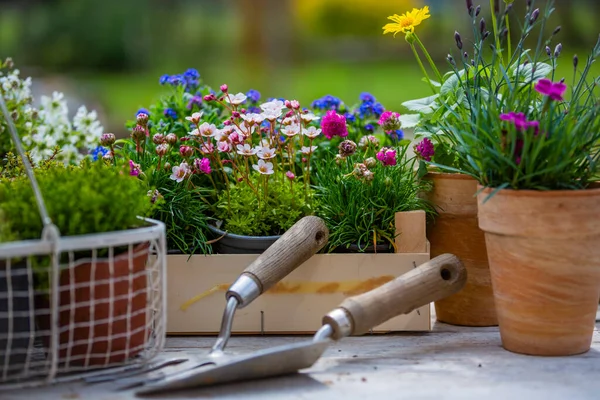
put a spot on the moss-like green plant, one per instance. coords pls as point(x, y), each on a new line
point(84, 199)
point(247, 213)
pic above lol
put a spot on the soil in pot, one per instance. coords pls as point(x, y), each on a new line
point(229, 243)
point(456, 231)
point(17, 332)
point(108, 324)
point(544, 255)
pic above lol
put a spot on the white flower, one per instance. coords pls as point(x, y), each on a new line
point(207, 130)
point(266, 153)
point(253, 118)
point(265, 168)
point(272, 115)
point(180, 172)
point(235, 99)
point(273, 106)
point(88, 125)
point(309, 117)
point(195, 118)
point(308, 150)
point(245, 133)
point(291, 130)
point(312, 132)
point(246, 150)
point(290, 121)
point(224, 147)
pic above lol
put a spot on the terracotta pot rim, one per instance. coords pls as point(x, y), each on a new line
point(592, 191)
point(450, 175)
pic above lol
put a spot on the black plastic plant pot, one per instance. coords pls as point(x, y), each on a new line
point(230, 243)
point(15, 305)
point(354, 248)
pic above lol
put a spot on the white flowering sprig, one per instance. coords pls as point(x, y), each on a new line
point(46, 129)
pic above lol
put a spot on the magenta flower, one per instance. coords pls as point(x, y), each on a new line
point(202, 165)
point(553, 90)
point(387, 156)
point(290, 175)
point(334, 124)
point(389, 121)
point(134, 169)
point(520, 121)
point(425, 149)
point(186, 151)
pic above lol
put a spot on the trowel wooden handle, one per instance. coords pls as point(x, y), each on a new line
point(436, 279)
point(293, 248)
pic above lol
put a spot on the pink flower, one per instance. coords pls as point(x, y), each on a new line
point(334, 124)
point(425, 149)
point(520, 121)
point(180, 172)
point(134, 169)
point(389, 121)
point(553, 90)
point(387, 156)
point(224, 147)
point(290, 175)
point(202, 165)
point(207, 148)
point(186, 151)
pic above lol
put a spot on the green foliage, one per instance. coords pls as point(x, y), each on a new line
point(85, 199)
point(245, 212)
point(360, 212)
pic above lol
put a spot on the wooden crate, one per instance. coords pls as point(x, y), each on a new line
point(197, 286)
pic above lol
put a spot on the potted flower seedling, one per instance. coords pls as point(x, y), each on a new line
point(531, 140)
point(103, 292)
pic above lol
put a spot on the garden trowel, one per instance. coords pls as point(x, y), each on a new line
point(438, 278)
point(305, 238)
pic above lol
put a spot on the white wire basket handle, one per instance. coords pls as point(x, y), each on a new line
point(103, 306)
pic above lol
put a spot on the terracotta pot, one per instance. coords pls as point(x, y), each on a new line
point(456, 231)
point(91, 334)
point(544, 255)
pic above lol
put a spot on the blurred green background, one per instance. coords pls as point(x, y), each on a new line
point(109, 54)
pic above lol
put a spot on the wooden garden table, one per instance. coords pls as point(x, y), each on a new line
point(448, 363)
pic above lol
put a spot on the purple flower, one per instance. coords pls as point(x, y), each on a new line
point(134, 169)
point(202, 165)
point(553, 90)
point(520, 121)
point(389, 121)
point(370, 128)
point(387, 156)
point(367, 97)
point(425, 149)
point(334, 124)
point(253, 95)
point(290, 175)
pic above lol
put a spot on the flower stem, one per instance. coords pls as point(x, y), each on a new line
point(412, 46)
point(429, 59)
point(495, 25)
point(508, 37)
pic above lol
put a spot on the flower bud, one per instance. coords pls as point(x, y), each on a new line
point(477, 11)
point(167, 166)
point(304, 159)
point(451, 60)
point(509, 7)
point(458, 40)
point(288, 104)
point(465, 55)
point(14, 115)
point(295, 104)
point(482, 26)
point(227, 122)
point(158, 138)
point(549, 51)
point(504, 33)
point(162, 149)
point(107, 139)
point(338, 159)
point(186, 151)
point(9, 63)
point(210, 97)
point(388, 181)
point(359, 170)
point(235, 114)
point(534, 16)
point(370, 162)
point(486, 34)
point(290, 175)
point(224, 88)
point(575, 61)
point(108, 156)
point(139, 133)
point(171, 138)
point(368, 175)
point(470, 7)
point(184, 139)
point(496, 7)
point(347, 148)
point(142, 119)
point(558, 50)
point(555, 32)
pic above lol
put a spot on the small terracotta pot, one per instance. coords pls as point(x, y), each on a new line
point(91, 334)
point(456, 231)
point(544, 253)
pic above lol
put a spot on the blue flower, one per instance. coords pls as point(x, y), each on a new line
point(351, 118)
point(254, 109)
point(365, 110)
point(318, 104)
point(169, 112)
point(176, 80)
point(99, 152)
point(265, 124)
point(191, 74)
point(164, 79)
point(378, 109)
point(328, 102)
point(253, 95)
point(194, 101)
point(367, 97)
point(142, 110)
point(397, 135)
point(370, 128)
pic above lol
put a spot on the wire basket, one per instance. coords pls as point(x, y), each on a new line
point(73, 306)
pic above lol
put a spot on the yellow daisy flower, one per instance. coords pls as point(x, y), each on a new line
point(406, 22)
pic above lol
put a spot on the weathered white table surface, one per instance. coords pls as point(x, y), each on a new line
point(448, 363)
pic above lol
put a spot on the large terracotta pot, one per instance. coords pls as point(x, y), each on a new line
point(544, 253)
point(456, 231)
point(88, 301)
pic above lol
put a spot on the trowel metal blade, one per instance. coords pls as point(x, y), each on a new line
point(276, 361)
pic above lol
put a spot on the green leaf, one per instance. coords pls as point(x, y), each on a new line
point(452, 83)
point(409, 120)
point(425, 105)
point(526, 73)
